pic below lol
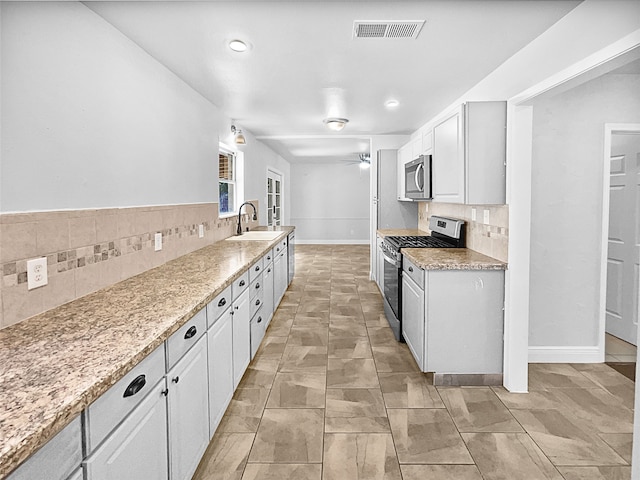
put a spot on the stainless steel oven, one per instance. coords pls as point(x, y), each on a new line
point(445, 233)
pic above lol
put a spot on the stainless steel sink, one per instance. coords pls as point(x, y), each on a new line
point(268, 235)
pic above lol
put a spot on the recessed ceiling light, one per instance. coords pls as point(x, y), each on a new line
point(238, 46)
point(335, 124)
point(391, 103)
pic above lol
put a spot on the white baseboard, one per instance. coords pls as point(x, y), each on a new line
point(332, 242)
point(565, 355)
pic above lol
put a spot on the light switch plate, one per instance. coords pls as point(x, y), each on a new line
point(486, 217)
point(473, 215)
point(200, 230)
point(157, 244)
point(37, 273)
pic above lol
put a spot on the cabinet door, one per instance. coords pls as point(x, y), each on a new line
point(188, 400)
point(267, 305)
point(241, 337)
point(138, 447)
point(448, 161)
point(413, 320)
point(220, 358)
point(404, 157)
point(280, 277)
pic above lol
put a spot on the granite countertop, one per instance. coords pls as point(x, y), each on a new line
point(391, 232)
point(55, 364)
point(452, 259)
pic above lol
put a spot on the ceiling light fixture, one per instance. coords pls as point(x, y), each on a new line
point(238, 46)
point(238, 137)
point(334, 123)
point(392, 103)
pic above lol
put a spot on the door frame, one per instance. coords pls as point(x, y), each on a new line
point(266, 192)
point(519, 142)
point(609, 130)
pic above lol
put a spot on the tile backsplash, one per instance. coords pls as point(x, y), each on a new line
point(490, 239)
point(87, 250)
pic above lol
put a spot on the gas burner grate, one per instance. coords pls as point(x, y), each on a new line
point(417, 242)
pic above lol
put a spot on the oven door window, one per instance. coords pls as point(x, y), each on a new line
point(391, 285)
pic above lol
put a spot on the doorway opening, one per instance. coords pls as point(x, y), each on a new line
point(274, 198)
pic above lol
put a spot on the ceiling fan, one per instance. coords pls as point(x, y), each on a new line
point(364, 161)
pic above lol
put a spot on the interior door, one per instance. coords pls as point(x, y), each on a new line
point(274, 199)
point(622, 257)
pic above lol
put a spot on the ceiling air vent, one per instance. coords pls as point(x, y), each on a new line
point(387, 29)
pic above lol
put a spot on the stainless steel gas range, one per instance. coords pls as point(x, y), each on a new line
point(445, 233)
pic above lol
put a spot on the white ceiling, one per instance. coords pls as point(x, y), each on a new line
point(304, 65)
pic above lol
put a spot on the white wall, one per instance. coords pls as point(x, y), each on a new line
point(566, 207)
point(330, 203)
point(90, 120)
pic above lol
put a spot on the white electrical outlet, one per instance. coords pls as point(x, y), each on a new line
point(473, 215)
point(37, 273)
point(200, 231)
point(157, 244)
point(486, 217)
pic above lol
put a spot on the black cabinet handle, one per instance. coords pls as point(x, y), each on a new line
point(257, 286)
point(268, 257)
point(191, 332)
point(135, 386)
point(269, 271)
point(410, 269)
point(165, 392)
point(176, 379)
point(278, 249)
point(257, 269)
point(257, 302)
point(222, 302)
point(242, 283)
point(259, 319)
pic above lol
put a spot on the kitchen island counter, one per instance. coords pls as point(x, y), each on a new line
point(55, 364)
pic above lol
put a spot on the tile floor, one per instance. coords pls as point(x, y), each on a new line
point(332, 396)
point(617, 350)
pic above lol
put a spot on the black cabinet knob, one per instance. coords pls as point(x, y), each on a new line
point(257, 286)
point(257, 269)
point(176, 379)
point(135, 386)
point(259, 319)
point(410, 269)
point(165, 392)
point(222, 302)
point(257, 302)
point(242, 283)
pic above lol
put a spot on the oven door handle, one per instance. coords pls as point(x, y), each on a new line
point(390, 260)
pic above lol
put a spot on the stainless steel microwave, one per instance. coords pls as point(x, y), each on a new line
point(417, 178)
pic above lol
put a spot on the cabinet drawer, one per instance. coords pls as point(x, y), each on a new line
point(267, 259)
point(256, 286)
point(186, 337)
point(110, 409)
point(412, 270)
point(255, 270)
point(240, 284)
point(56, 459)
point(217, 306)
point(280, 247)
point(255, 303)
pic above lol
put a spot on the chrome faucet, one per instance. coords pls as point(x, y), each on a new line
point(255, 216)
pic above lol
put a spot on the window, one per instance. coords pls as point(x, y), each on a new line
point(227, 181)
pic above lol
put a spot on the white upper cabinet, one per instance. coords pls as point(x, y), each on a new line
point(469, 155)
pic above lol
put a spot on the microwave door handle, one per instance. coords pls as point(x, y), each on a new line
point(418, 186)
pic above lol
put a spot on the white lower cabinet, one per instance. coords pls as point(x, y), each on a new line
point(241, 336)
point(413, 321)
point(138, 447)
point(188, 401)
point(452, 320)
point(280, 277)
point(267, 297)
point(220, 358)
